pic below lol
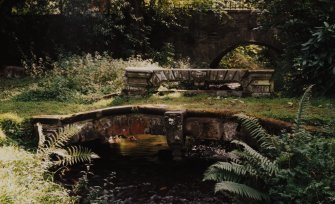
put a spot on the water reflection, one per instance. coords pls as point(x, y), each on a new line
point(138, 145)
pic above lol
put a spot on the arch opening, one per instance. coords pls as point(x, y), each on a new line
point(251, 56)
point(247, 55)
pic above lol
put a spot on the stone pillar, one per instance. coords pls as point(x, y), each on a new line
point(174, 124)
point(138, 81)
point(259, 83)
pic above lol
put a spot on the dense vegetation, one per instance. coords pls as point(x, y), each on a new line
point(292, 167)
point(129, 28)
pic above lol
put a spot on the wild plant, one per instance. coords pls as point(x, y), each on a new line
point(292, 167)
point(55, 150)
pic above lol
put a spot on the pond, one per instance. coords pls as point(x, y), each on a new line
point(143, 172)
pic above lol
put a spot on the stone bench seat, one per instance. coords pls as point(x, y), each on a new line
point(141, 81)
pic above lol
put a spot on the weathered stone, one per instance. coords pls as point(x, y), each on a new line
point(198, 75)
point(174, 125)
point(132, 120)
point(252, 81)
point(204, 128)
point(230, 131)
point(137, 82)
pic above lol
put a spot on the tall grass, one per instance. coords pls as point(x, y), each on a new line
point(73, 77)
point(25, 179)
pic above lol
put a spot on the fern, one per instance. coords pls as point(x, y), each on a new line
point(249, 164)
point(56, 144)
point(266, 141)
point(75, 154)
point(266, 164)
point(303, 104)
point(224, 171)
point(240, 189)
point(218, 175)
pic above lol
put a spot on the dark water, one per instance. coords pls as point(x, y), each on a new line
point(144, 172)
point(142, 145)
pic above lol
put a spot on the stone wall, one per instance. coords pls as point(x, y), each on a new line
point(176, 125)
point(142, 81)
point(205, 36)
point(210, 36)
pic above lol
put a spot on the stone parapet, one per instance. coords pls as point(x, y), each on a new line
point(176, 125)
point(143, 81)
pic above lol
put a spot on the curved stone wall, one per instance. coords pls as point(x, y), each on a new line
point(176, 125)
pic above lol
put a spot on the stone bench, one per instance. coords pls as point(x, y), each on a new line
point(142, 81)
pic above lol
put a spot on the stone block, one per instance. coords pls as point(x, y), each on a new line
point(230, 131)
point(174, 126)
point(204, 128)
point(143, 82)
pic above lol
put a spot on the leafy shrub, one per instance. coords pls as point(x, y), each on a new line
point(3, 138)
point(247, 57)
point(74, 76)
point(165, 57)
point(294, 167)
point(308, 56)
point(90, 192)
point(117, 101)
point(25, 177)
point(11, 124)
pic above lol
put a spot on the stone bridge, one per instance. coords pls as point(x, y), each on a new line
point(211, 36)
point(176, 125)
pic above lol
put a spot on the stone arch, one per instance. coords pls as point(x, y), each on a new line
point(276, 50)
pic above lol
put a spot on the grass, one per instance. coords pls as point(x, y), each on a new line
point(24, 179)
point(321, 111)
point(28, 109)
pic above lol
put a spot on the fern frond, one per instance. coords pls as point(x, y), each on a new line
point(259, 159)
point(65, 134)
point(73, 155)
point(241, 190)
point(257, 132)
point(303, 104)
point(55, 144)
point(225, 171)
point(215, 174)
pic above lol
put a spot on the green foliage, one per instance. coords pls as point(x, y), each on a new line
point(25, 179)
point(317, 59)
point(11, 124)
point(295, 167)
point(89, 192)
point(165, 57)
point(249, 165)
point(57, 89)
point(3, 138)
point(303, 104)
point(121, 25)
point(305, 28)
point(246, 57)
point(203, 5)
point(117, 101)
point(57, 145)
point(266, 141)
point(240, 189)
point(73, 77)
